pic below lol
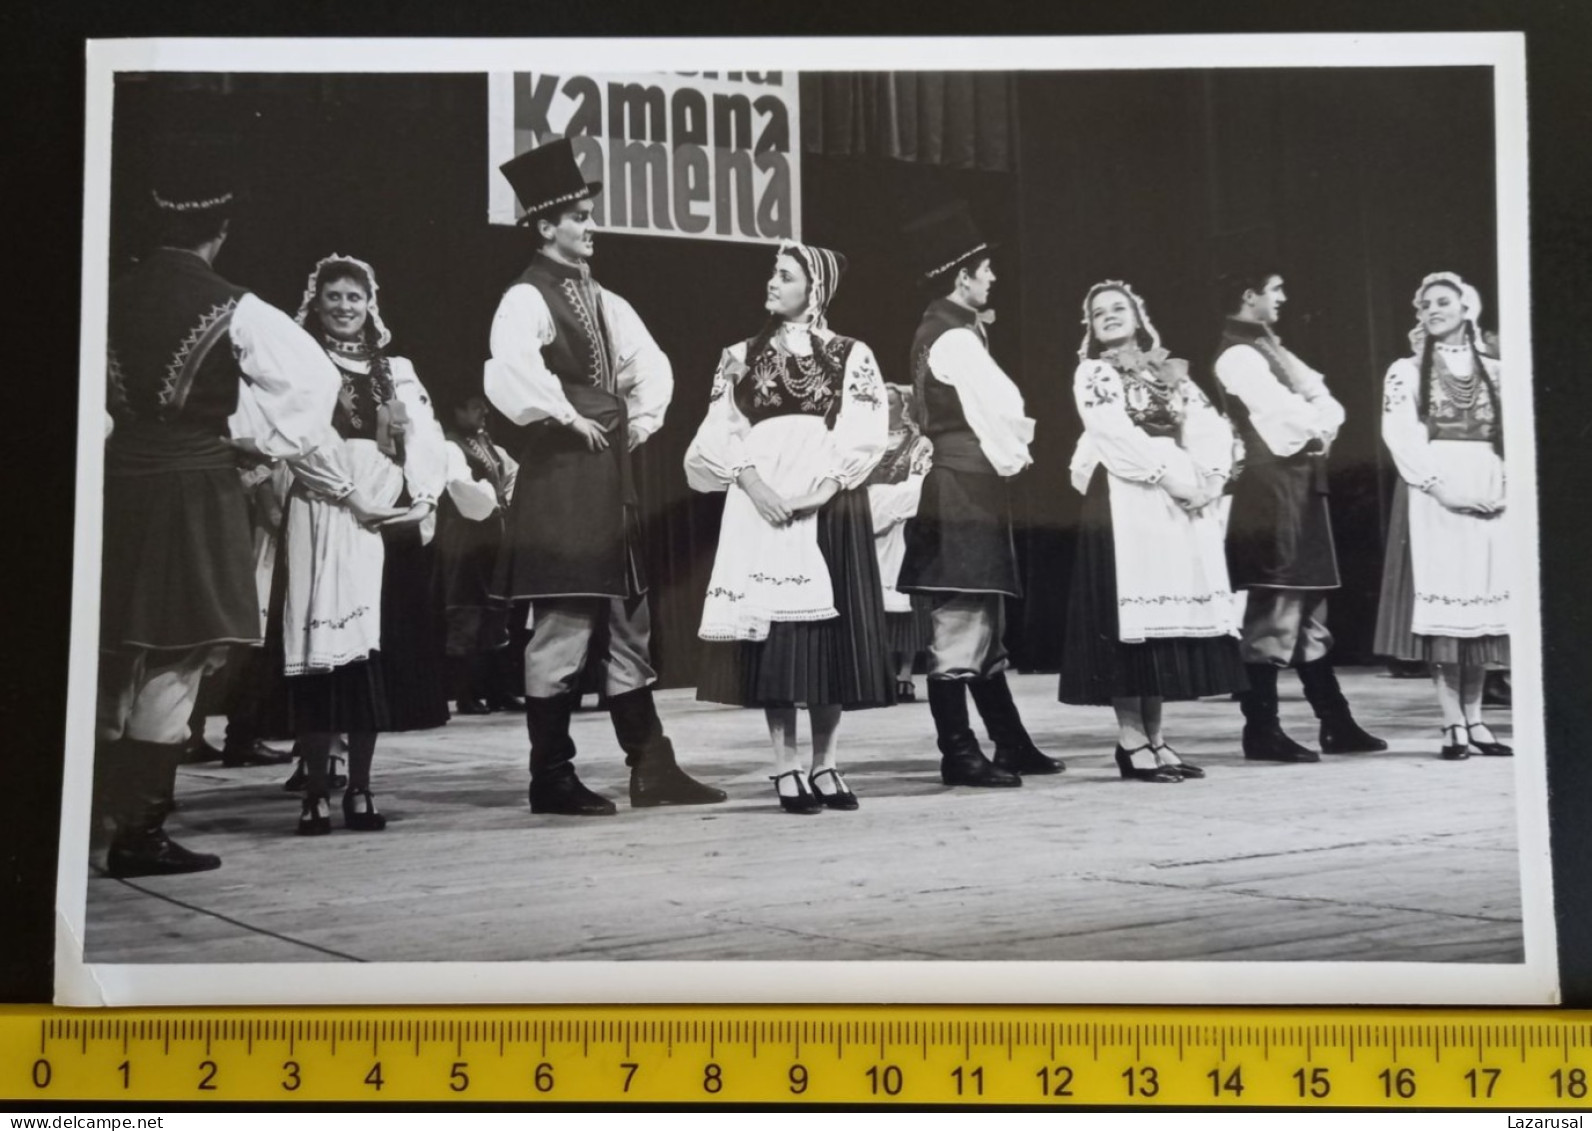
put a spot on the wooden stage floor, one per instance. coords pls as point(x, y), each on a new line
point(1388, 857)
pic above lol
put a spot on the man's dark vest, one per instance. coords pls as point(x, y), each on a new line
point(1279, 532)
point(955, 445)
point(170, 359)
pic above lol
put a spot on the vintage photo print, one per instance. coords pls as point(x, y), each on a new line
point(964, 520)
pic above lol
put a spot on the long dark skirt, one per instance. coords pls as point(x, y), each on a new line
point(412, 633)
point(1396, 610)
point(840, 661)
point(1096, 665)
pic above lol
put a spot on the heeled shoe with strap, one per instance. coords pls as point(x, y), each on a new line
point(1170, 759)
point(1162, 774)
point(315, 818)
point(841, 798)
point(802, 801)
point(1459, 749)
point(366, 820)
point(1494, 749)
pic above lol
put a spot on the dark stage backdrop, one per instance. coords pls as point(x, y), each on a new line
point(1359, 182)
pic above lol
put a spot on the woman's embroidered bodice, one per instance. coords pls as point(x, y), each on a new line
point(357, 403)
point(779, 383)
point(1460, 408)
point(1157, 407)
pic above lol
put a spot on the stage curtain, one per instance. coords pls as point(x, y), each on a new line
point(958, 120)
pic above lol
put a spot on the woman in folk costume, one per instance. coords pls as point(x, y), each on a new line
point(1445, 584)
point(1151, 614)
point(796, 423)
point(894, 488)
point(351, 607)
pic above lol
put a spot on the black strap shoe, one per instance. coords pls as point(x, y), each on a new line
point(802, 799)
point(839, 797)
point(1268, 743)
point(1156, 772)
point(359, 812)
point(1340, 734)
point(563, 794)
point(1456, 744)
point(1170, 759)
point(1493, 749)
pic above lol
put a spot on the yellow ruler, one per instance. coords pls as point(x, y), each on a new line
point(1297, 1058)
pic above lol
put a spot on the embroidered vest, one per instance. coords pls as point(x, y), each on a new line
point(581, 352)
point(170, 357)
point(781, 384)
point(941, 405)
point(481, 457)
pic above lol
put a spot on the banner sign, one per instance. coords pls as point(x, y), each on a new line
point(711, 155)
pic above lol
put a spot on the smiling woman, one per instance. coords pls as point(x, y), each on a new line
point(349, 629)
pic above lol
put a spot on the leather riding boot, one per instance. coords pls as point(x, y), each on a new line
point(655, 777)
point(554, 786)
point(961, 760)
point(148, 776)
point(1014, 749)
point(1264, 739)
point(1340, 734)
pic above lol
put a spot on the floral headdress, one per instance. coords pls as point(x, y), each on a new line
point(326, 269)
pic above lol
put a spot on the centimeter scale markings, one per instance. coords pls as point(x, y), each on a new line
point(796, 1054)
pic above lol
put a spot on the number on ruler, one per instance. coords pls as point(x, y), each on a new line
point(1400, 1083)
point(1317, 1085)
point(458, 1078)
point(976, 1076)
point(1234, 1082)
point(208, 1082)
point(1483, 1082)
point(1571, 1083)
point(126, 1069)
point(798, 1079)
point(291, 1084)
point(543, 1079)
point(630, 1074)
point(886, 1079)
point(713, 1079)
point(1141, 1081)
point(42, 1073)
point(373, 1077)
point(1061, 1075)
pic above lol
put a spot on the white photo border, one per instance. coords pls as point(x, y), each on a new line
point(1534, 981)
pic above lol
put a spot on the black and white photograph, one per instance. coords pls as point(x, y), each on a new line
point(806, 520)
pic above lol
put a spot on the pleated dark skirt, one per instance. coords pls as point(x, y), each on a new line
point(1096, 665)
point(841, 661)
point(1395, 611)
point(907, 634)
point(178, 568)
point(412, 635)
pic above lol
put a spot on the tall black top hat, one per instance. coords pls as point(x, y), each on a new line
point(548, 176)
point(944, 239)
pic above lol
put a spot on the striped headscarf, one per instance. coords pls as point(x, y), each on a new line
point(824, 269)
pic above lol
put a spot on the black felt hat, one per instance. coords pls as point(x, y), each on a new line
point(943, 239)
point(194, 174)
point(548, 176)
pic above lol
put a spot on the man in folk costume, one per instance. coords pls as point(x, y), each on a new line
point(1279, 535)
point(959, 549)
point(197, 368)
point(573, 360)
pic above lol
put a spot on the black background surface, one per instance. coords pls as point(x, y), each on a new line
point(42, 192)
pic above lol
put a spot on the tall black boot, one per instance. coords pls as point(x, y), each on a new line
point(464, 675)
point(1264, 740)
point(554, 786)
point(1014, 750)
point(655, 777)
point(1340, 734)
point(961, 760)
point(148, 776)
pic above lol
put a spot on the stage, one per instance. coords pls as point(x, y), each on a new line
point(1394, 857)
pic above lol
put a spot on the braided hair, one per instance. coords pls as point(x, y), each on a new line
point(1423, 398)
